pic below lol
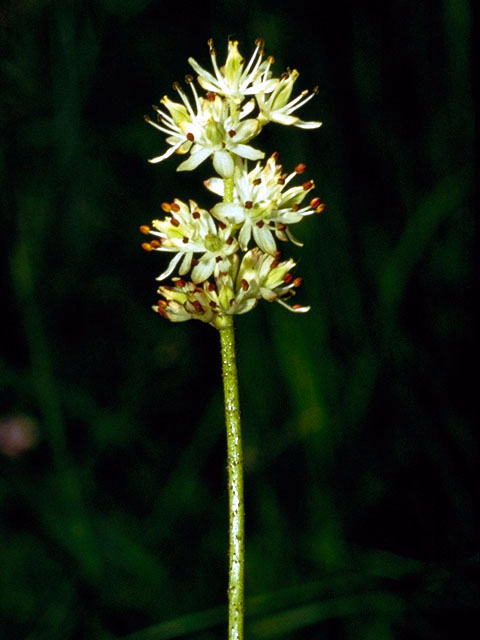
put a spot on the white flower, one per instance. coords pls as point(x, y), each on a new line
point(189, 231)
point(278, 107)
point(235, 80)
point(262, 205)
point(234, 292)
point(208, 129)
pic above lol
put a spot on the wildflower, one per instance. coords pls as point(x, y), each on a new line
point(236, 291)
point(278, 107)
point(207, 130)
point(234, 80)
point(187, 231)
point(262, 204)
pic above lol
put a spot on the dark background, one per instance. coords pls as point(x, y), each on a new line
point(360, 444)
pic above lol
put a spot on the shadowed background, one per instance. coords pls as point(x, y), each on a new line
point(358, 417)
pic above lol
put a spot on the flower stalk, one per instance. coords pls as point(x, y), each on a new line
point(226, 259)
point(236, 545)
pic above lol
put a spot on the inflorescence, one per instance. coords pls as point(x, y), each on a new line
point(230, 253)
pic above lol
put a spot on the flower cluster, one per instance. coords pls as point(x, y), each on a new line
point(230, 253)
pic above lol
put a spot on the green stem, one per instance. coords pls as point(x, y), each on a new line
point(235, 486)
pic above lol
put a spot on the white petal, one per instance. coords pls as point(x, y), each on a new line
point(194, 160)
point(203, 270)
point(215, 185)
point(265, 240)
point(167, 154)
point(173, 263)
point(223, 164)
point(245, 151)
point(302, 124)
point(229, 212)
point(245, 235)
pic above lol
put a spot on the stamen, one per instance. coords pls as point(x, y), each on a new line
point(298, 282)
point(188, 78)
point(166, 207)
point(174, 222)
point(244, 284)
point(145, 229)
point(308, 185)
point(300, 168)
point(146, 246)
point(288, 277)
point(175, 206)
point(155, 244)
point(257, 182)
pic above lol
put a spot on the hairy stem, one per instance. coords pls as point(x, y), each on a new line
point(235, 486)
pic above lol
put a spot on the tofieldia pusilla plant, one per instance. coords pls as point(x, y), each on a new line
point(224, 260)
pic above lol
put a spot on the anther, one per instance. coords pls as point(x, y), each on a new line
point(274, 264)
point(260, 42)
point(174, 222)
point(185, 240)
point(248, 204)
point(232, 133)
point(315, 90)
point(194, 262)
point(198, 306)
point(211, 286)
point(180, 283)
point(287, 278)
point(275, 155)
point(210, 43)
point(260, 224)
point(155, 244)
point(222, 225)
point(296, 306)
point(145, 229)
point(146, 246)
point(229, 240)
point(281, 181)
point(244, 284)
point(196, 215)
point(211, 95)
point(257, 181)
point(295, 206)
point(281, 226)
point(213, 304)
point(166, 207)
point(190, 137)
point(278, 254)
point(188, 78)
point(232, 302)
point(270, 59)
point(308, 185)
point(218, 259)
point(300, 168)
point(175, 206)
point(147, 119)
point(298, 282)
point(176, 86)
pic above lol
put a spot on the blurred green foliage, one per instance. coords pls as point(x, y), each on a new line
point(358, 417)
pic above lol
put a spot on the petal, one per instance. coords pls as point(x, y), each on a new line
point(245, 151)
point(203, 269)
point(223, 164)
point(215, 185)
point(173, 263)
point(167, 153)
point(264, 239)
point(194, 160)
point(229, 212)
point(245, 235)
